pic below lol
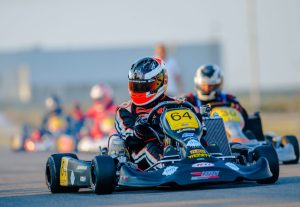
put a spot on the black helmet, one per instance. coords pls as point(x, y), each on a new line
point(147, 80)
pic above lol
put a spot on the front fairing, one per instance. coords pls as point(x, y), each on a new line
point(200, 172)
point(183, 129)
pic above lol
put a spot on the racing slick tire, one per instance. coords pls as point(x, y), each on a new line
point(52, 174)
point(270, 154)
point(293, 141)
point(103, 174)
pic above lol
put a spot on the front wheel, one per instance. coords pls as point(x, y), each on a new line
point(293, 141)
point(270, 154)
point(52, 174)
point(103, 174)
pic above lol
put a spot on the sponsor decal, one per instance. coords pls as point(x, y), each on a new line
point(211, 173)
point(184, 135)
point(170, 170)
point(205, 175)
point(193, 143)
point(201, 158)
point(185, 124)
point(196, 173)
point(72, 178)
point(81, 167)
point(199, 153)
point(123, 177)
point(82, 178)
point(232, 166)
point(63, 175)
point(186, 129)
point(195, 151)
point(203, 164)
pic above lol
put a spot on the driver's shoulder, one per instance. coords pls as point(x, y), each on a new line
point(229, 97)
point(190, 97)
point(125, 105)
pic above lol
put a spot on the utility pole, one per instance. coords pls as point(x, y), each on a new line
point(24, 89)
point(253, 54)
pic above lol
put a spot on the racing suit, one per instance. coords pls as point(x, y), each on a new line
point(142, 145)
point(220, 97)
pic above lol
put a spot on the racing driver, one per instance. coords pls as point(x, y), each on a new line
point(147, 87)
point(208, 83)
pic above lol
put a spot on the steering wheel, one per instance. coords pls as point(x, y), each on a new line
point(167, 105)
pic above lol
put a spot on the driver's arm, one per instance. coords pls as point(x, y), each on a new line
point(124, 123)
point(131, 129)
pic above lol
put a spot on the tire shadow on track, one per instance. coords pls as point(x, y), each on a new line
point(159, 195)
point(235, 185)
point(163, 189)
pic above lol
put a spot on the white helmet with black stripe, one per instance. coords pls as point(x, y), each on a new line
point(208, 82)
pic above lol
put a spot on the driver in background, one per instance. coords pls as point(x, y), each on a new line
point(147, 85)
point(55, 118)
point(208, 83)
point(103, 107)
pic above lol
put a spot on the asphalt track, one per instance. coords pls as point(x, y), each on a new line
point(22, 184)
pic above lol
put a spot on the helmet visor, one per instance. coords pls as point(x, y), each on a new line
point(207, 88)
point(152, 85)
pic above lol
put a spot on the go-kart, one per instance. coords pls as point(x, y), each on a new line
point(57, 137)
point(185, 161)
point(287, 147)
point(250, 131)
point(89, 144)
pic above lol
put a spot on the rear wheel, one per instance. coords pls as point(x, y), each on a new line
point(293, 141)
point(103, 174)
point(270, 154)
point(52, 174)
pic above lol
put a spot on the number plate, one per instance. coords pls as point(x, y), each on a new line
point(64, 171)
point(228, 114)
point(181, 119)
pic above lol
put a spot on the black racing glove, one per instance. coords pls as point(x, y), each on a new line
point(138, 131)
point(143, 131)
